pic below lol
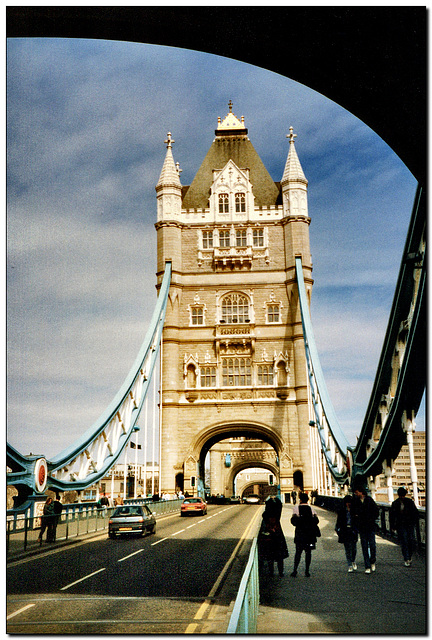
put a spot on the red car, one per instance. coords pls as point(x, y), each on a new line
point(193, 505)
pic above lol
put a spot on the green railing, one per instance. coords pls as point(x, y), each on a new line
point(245, 612)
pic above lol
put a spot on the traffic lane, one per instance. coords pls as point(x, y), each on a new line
point(152, 565)
point(59, 614)
point(185, 561)
point(41, 574)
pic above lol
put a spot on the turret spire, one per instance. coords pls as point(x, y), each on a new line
point(293, 169)
point(169, 175)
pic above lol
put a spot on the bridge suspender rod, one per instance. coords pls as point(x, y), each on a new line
point(333, 442)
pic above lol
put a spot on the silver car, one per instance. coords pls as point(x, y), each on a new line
point(129, 519)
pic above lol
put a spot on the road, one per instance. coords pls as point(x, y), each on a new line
point(180, 580)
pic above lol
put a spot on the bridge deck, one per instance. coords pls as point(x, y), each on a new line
point(390, 601)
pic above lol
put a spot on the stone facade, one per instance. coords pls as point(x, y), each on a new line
point(233, 357)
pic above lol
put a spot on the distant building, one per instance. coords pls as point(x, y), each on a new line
point(402, 474)
point(122, 478)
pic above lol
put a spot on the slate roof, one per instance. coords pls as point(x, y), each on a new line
point(240, 149)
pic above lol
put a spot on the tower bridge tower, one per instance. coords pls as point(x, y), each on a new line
point(233, 358)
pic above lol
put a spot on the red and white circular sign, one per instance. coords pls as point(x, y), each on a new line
point(41, 474)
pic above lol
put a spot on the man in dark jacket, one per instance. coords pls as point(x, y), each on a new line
point(403, 519)
point(365, 515)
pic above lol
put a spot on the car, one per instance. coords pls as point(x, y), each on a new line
point(252, 498)
point(235, 500)
point(193, 505)
point(131, 519)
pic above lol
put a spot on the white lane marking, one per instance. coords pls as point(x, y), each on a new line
point(12, 615)
point(68, 586)
point(158, 541)
point(192, 525)
point(130, 555)
point(177, 532)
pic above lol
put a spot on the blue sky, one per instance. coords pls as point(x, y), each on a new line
point(86, 121)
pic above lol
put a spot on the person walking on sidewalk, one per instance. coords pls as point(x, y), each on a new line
point(365, 514)
point(403, 519)
point(272, 544)
point(347, 532)
point(306, 522)
point(47, 520)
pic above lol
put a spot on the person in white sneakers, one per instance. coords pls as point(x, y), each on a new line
point(347, 532)
point(365, 513)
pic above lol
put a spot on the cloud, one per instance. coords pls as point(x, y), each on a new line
point(86, 124)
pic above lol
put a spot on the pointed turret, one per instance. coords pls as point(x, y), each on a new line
point(294, 183)
point(169, 187)
point(170, 173)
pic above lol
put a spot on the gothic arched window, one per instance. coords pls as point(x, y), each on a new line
point(236, 372)
point(223, 203)
point(235, 308)
point(240, 202)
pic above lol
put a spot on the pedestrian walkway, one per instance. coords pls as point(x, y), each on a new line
point(391, 600)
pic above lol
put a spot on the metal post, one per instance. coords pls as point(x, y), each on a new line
point(153, 436)
point(145, 445)
point(160, 411)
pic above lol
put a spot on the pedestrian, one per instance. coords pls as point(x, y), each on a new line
point(118, 501)
point(294, 496)
point(57, 510)
point(102, 505)
point(272, 546)
point(306, 522)
point(403, 519)
point(365, 513)
point(47, 520)
point(347, 532)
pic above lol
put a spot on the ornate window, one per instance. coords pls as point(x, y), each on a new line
point(224, 238)
point(241, 238)
point(265, 375)
point(240, 202)
point(208, 376)
point(235, 308)
point(236, 372)
point(207, 239)
point(197, 315)
point(273, 313)
point(258, 237)
point(223, 203)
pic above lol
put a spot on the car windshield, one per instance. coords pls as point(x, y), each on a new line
point(127, 511)
point(190, 500)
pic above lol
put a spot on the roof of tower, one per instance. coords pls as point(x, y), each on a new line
point(169, 174)
point(231, 143)
point(293, 169)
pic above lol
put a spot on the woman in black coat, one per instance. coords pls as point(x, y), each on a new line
point(272, 544)
point(306, 522)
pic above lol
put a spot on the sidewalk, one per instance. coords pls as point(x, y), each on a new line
point(332, 601)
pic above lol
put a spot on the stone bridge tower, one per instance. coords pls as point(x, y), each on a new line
point(233, 362)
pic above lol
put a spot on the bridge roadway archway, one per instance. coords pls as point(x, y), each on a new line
point(279, 463)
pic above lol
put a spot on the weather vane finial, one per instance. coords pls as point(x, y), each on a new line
point(230, 105)
point(169, 142)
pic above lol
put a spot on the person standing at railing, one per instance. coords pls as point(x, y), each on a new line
point(403, 519)
point(366, 512)
point(47, 520)
point(272, 544)
point(306, 522)
point(57, 509)
point(347, 532)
